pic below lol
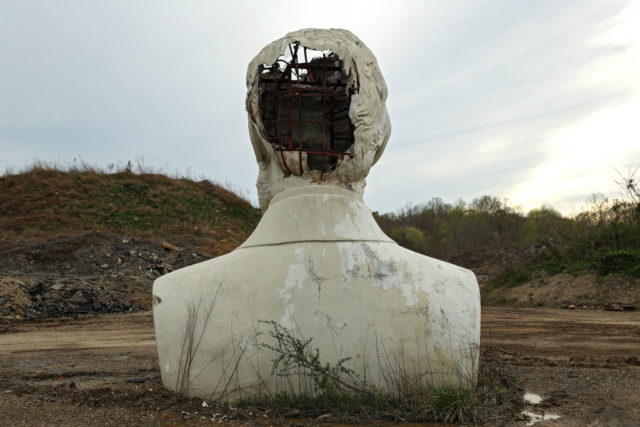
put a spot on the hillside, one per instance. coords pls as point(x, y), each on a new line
point(44, 202)
point(541, 258)
point(84, 241)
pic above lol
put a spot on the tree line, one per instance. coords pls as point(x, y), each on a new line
point(604, 237)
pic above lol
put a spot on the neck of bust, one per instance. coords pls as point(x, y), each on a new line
point(316, 213)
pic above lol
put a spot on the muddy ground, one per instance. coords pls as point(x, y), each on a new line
point(64, 360)
point(104, 370)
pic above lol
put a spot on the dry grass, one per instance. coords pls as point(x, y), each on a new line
point(50, 198)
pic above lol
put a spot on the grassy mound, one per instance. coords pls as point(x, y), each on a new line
point(45, 201)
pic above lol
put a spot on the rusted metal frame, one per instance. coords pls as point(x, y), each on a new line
point(306, 93)
point(324, 101)
point(332, 160)
point(295, 60)
point(317, 152)
point(277, 124)
point(263, 109)
point(311, 66)
point(307, 82)
point(289, 96)
point(318, 122)
point(289, 117)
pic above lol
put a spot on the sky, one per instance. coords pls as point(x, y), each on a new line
point(534, 101)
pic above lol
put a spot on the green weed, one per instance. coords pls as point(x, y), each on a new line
point(336, 392)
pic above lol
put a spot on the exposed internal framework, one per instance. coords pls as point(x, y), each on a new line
point(304, 104)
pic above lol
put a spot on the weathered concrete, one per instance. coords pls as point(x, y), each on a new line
point(367, 112)
point(319, 265)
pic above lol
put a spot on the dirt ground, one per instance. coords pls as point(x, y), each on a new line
point(103, 370)
point(77, 344)
point(584, 290)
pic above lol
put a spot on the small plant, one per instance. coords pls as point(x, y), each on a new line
point(511, 278)
point(310, 388)
point(452, 403)
point(295, 357)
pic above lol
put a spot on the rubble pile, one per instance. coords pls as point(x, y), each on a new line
point(85, 274)
point(49, 298)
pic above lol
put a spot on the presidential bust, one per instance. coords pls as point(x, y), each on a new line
point(317, 263)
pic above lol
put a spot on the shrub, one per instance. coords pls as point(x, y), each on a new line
point(620, 261)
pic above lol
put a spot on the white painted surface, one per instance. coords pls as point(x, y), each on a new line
point(318, 264)
point(355, 298)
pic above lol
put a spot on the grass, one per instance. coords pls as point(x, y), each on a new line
point(46, 200)
point(603, 262)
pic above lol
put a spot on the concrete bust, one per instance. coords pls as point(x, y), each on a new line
point(317, 263)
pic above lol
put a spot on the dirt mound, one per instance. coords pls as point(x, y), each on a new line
point(489, 264)
point(14, 297)
point(95, 253)
point(55, 298)
point(44, 201)
point(86, 274)
point(585, 290)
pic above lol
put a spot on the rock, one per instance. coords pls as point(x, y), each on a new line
point(167, 267)
point(571, 307)
point(169, 246)
point(137, 380)
point(619, 307)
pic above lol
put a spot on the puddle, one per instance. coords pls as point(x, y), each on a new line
point(536, 418)
point(532, 399)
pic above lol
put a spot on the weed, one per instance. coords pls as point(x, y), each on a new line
point(510, 278)
point(313, 388)
point(295, 357)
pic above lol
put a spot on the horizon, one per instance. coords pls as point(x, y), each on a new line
point(533, 102)
point(137, 167)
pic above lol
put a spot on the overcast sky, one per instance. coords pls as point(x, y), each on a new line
point(536, 101)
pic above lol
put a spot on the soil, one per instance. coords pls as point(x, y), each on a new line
point(77, 343)
point(103, 369)
point(86, 274)
point(586, 290)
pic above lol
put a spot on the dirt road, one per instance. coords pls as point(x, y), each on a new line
point(103, 369)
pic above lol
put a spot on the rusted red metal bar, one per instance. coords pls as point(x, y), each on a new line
point(333, 98)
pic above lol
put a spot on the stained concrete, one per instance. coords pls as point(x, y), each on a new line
point(318, 265)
